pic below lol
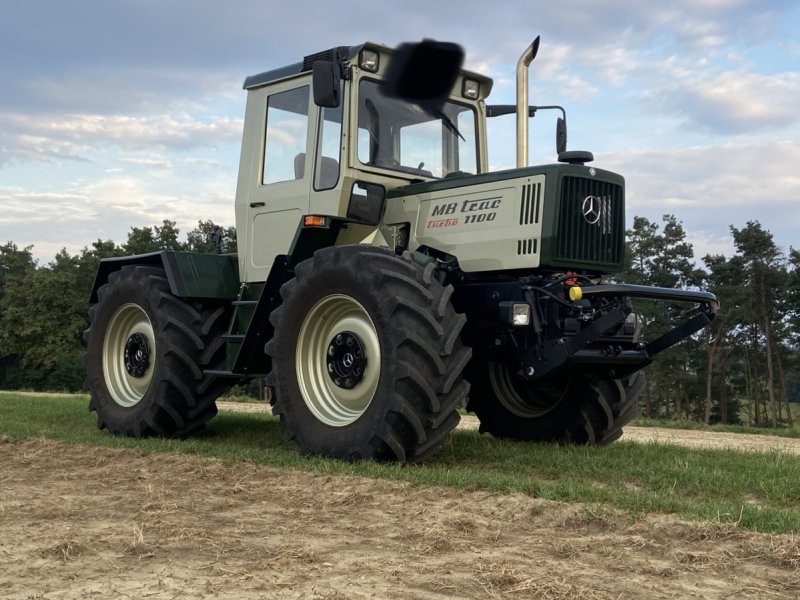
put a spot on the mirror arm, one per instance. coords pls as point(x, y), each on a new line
point(498, 110)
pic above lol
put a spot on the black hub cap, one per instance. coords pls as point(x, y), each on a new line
point(346, 360)
point(137, 355)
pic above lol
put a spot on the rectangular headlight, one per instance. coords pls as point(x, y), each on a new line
point(369, 61)
point(471, 89)
point(520, 315)
point(516, 314)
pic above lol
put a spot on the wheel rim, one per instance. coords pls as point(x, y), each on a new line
point(129, 350)
point(519, 397)
point(321, 358)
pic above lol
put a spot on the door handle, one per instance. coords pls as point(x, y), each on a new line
point(256, 204)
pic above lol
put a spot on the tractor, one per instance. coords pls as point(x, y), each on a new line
point(385, 278)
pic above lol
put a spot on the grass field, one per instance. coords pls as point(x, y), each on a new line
point(757, 491)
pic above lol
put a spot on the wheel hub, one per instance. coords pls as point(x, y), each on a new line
point(346, 360)
point(137, 355)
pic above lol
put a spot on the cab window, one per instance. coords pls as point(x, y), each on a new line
point(428, 141)
point(285, 136)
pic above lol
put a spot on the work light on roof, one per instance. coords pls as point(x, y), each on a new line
point(471, 89)
point(369, 60)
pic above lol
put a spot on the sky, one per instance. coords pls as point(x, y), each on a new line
point(122, 113)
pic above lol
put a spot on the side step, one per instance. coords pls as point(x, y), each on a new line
point(251, 359)
point(220, 373)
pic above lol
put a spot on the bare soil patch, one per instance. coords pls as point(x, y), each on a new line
point(79, 522)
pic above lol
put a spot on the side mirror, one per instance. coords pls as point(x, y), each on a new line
point(326, 81)
point(561, 135)
point(366, 203)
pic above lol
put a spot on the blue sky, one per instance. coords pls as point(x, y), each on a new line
point(123, 113)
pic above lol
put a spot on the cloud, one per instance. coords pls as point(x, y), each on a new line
point(730, 102)
point(89, 55)
point(712, 187)
point(22, 206)
point(105, 209)
point(80, 137)
point(154, 163)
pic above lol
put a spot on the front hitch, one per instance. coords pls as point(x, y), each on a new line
point(623, 355)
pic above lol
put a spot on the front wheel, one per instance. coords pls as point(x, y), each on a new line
point(367, 357)
point(575, 407)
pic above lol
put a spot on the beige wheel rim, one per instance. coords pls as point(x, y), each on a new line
point(337, 317)
point(128, 377)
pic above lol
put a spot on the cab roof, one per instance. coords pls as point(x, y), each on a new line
point(345, 54)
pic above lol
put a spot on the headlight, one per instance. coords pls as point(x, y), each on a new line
point(517, 314)
point(521, 315)
point(369, 60)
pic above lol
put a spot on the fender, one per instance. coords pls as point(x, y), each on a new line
point(190, 274)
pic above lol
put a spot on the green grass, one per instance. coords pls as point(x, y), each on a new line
point(758, 491)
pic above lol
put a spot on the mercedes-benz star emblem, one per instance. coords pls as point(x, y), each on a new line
point(348, 360)
point(591, 209)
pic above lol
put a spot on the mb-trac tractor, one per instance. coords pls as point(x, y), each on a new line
point(385, 279)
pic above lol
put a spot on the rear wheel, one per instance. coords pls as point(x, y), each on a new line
point(146, 351)
point(367, 357)
point(579, 408)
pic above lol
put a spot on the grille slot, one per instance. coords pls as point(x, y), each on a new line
point(525, 247)
point(530, 204)
point(598, 237)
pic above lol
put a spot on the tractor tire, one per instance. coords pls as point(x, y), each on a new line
point(367, 357)
point(579, 408)
point(146, 351)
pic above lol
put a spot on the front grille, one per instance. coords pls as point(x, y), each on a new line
point(597, 236)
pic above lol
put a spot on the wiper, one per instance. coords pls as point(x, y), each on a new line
point(435, 110)
point(438, 112)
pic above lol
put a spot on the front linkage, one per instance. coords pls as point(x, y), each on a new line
point(548, 323)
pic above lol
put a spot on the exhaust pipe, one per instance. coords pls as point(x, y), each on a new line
point(522, 102)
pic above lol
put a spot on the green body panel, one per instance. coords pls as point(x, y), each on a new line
point(464, 181)
point(190, 274)
point(553, 170)
point(194, 275)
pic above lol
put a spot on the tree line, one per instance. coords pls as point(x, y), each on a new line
point(743, 368)
point(43, 309)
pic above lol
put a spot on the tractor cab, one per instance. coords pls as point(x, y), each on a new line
point(332, 135)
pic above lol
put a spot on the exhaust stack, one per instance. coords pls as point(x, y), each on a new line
point(522, 102)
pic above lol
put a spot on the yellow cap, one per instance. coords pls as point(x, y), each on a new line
point(575, 293)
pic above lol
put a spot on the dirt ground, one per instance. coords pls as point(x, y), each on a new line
point(79, 522)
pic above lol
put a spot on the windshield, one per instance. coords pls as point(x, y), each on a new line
point(398, 135)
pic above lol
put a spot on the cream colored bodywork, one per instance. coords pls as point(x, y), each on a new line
point(490, 226)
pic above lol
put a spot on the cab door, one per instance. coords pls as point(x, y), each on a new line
point(274, 203)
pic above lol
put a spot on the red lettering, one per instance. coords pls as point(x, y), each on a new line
point(442, 223)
